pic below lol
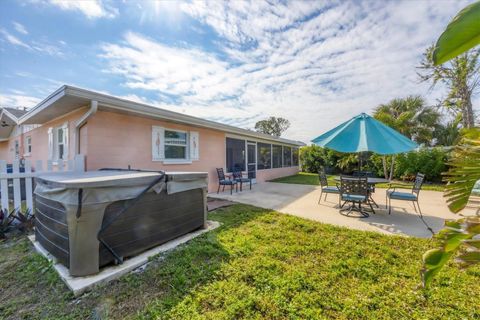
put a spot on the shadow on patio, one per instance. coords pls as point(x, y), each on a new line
point(302, 201)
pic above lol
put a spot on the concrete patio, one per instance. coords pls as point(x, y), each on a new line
point(302, 201)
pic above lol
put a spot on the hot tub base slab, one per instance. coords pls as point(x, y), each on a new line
point(79, 285)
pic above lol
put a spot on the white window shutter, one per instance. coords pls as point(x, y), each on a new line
point(158, 143)
point(194, 145)
point(50, 143)
point(65, 141)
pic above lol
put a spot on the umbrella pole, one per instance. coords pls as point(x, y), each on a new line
point(384, 160)
point(391, 167)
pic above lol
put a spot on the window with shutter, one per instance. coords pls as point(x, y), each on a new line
point(194, 145)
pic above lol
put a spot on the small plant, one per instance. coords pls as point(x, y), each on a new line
point(15, 221)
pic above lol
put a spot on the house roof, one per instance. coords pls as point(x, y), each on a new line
point(68, 98)
point(8, 120)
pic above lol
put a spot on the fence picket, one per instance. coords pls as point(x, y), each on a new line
point(70, 165)
point(78, 165)
point(28, 187)
point(38, 166)
point(4, 187)
point(17, 195)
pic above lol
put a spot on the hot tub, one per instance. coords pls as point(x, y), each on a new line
point(90, 219)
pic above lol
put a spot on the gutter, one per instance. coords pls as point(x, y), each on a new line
point(83, 120)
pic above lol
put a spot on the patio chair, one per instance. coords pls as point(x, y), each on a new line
point(356, 191)
point(225, 181)
point(405, 196)
point(322, 177)
point(240, 178)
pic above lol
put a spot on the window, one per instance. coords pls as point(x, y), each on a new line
point(287, 156)
point(60, 144)
point(264, 156)
point(295, 157)
point(235, 149)
point(276, 156)
point(17, 150)
point(175, 144)
point(28, 145)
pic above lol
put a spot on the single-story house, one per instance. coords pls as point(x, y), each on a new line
point(116, 133)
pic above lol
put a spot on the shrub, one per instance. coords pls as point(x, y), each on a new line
point(430, 161)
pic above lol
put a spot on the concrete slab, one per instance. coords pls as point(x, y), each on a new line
point(302, 201)
point(79, 285)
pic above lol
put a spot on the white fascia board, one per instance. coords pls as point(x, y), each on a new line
point(45, 103)
point(147, 110)
point(151, 111)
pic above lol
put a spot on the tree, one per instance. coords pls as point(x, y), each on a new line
point(272, 126)
point(461, 76)
point(410, 117)
point(459, 238)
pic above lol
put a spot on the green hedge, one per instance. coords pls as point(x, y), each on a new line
point(430, 161)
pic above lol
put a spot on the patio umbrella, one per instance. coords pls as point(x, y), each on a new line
point(364, 133)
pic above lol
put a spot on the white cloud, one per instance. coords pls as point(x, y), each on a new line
point(17, 99)
point(315, 64)
point(90, 8)
point(20, 28)
point(14, 40)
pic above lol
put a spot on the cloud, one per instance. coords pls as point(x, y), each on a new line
point(92, 9)
point(316, 64)
point(18, 99)
point(14, 40)
point(20, 28)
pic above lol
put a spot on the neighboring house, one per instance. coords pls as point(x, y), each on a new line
point(117, 133)
point(11, 148)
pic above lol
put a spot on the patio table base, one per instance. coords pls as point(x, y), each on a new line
point(355, 208)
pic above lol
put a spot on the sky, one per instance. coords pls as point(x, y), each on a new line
point(314, 63)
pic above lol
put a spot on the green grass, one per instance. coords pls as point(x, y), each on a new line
point(312, 179)
point(258, 265)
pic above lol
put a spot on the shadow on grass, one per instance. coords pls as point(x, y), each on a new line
point(36, 292)
point(170, 277)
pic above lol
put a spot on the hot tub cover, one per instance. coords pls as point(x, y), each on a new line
point(109, 186)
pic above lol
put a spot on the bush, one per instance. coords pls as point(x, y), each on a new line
point(430, 161)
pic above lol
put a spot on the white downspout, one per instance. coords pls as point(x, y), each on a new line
point(83, 120)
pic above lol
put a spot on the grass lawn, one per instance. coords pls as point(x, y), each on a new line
point(258, 264)
point(312, 179)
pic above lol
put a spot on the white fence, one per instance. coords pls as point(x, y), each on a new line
point(11, 181)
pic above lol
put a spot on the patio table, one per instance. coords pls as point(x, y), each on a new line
point(372, 181)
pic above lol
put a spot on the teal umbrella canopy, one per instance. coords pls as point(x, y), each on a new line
point(364, 133)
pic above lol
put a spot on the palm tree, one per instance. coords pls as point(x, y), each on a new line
point(411, 117)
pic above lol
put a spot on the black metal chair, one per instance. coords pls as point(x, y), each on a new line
point(325, 188)
point(371, 186)
point(225, 181)
point(405, 196)
point(240, 178)
point(356, 191)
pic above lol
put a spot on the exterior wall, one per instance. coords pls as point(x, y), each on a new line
point(117, 141)
point(114, 140)
point(40, 139)
point(270, 174)
point(4, 150)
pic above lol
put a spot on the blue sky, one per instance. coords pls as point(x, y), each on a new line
point(314, 63)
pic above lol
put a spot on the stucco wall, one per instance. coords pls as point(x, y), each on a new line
point(270, 174)
point(118, 140)
point(4, 150)
point(40, 139)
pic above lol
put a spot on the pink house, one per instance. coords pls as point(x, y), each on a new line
point(116, 133)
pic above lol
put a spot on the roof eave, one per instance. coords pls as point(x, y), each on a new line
point(147, 110)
